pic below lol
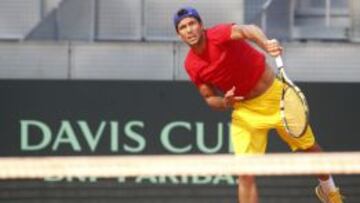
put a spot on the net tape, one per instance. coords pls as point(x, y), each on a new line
point(180, 165)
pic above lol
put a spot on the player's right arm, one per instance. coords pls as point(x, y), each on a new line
point(255, 34)
point(217, 102)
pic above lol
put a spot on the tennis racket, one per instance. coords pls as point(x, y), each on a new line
point(294, 109)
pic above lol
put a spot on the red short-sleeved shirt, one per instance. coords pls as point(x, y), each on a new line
point(225, 62)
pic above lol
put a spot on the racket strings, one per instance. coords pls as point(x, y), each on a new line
point(294, 111)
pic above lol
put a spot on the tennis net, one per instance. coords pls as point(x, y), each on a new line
point(180, 165)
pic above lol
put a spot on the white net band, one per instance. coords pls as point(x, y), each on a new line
point(180, 165)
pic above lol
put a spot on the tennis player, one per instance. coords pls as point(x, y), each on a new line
point(230, 74)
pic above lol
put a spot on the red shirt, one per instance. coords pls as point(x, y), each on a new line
point(225, 62)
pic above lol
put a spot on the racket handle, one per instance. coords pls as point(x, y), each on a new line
point(279, 62)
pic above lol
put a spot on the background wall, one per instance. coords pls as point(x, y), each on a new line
point(116, 67)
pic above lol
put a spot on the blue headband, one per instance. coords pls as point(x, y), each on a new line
point(184, 13)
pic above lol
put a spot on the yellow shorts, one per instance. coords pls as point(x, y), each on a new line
point(252, 120)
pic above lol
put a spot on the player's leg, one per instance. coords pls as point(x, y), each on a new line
point(247, 190)
point(246, 141)
point(251, 121)
point(326, 191)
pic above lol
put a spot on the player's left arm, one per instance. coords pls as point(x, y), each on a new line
point(255, 34)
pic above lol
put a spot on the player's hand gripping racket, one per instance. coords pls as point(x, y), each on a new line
point(293, 106)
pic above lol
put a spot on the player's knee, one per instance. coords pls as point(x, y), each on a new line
point(246, 180)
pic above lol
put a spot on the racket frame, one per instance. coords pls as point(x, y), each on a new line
point(287, 82)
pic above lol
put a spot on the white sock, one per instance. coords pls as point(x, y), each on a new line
point(328, 185)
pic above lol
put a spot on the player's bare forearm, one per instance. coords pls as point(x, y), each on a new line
point(255, 34)
point(217, 103)
point(250, 32)
point(212, 99)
